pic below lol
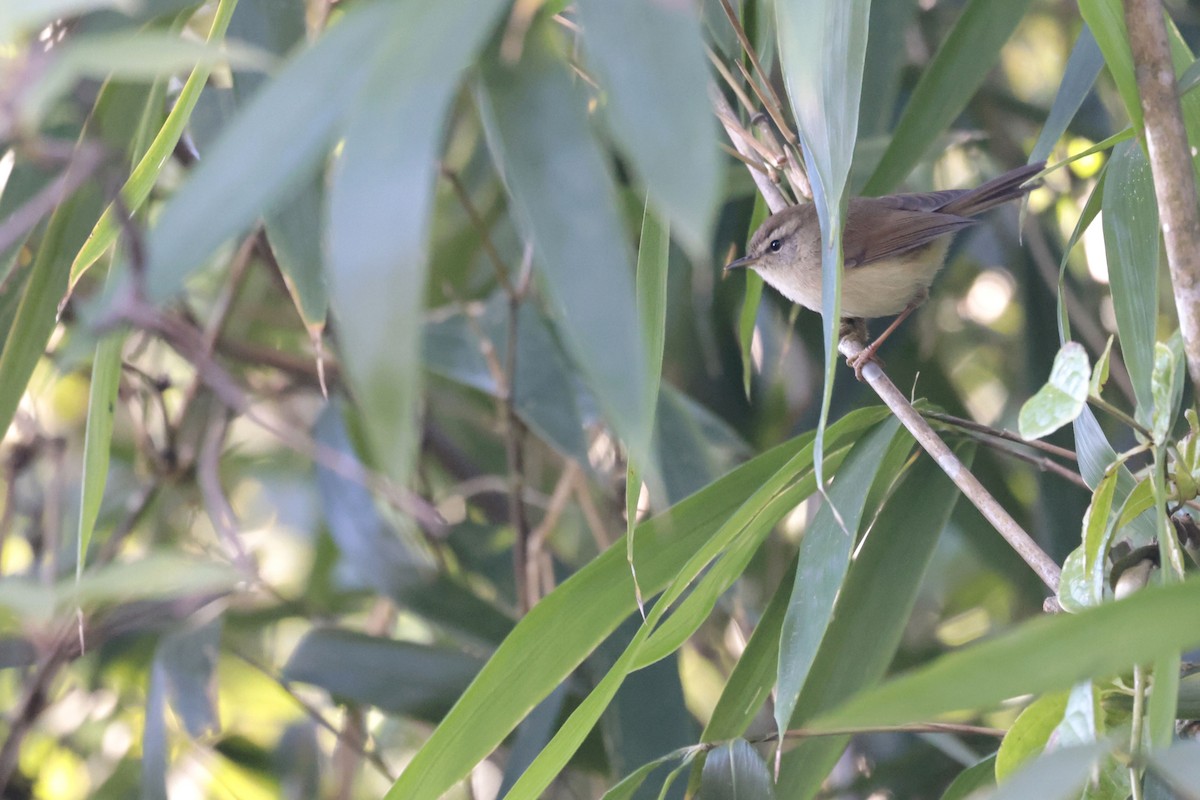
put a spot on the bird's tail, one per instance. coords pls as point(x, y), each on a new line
point(997, 191)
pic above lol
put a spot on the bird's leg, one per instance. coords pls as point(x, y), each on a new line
point(868, 353)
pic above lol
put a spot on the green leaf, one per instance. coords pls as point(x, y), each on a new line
point(1063, 397)
point(1106, 19)
point(654, 249)
point(596, 599)
point(1075, 592)
point(1095, 528)
point(406, 678)
point(1100, 370)
point(749, 312)
point(145, 175)
point(188, 660)
point(565, 199)
point(294, 231)
point(972, 779)
point(1029, 733)
point(627, 788)
point(278, 137)
point(823, 563)
point(545, 385)
point(380, 201)
point(952, 77)
point(1045, 654)
point(1162, 386)
point(1055, 776)
point(650, 59)
point(822, 48)
point(753, 676)
point(1131, 240)
point(97, 438)
point(1179, 764)
point(875, 602)
point(734, 771)
point(1083, 66)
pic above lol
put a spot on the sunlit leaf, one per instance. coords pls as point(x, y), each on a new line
point(1131, 240)
point(1063, 397)
point(1047, 654)
point(1028, 735)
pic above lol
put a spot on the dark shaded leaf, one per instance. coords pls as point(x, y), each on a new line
point(398, 677)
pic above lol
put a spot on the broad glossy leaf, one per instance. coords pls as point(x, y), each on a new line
point(1131, 240)
point(972, 779)
point(1162, 387)
point(380, 200)
point(566, 201)
point(1055, 776)
point(823, 563)
point(735, 771)
point(649, 57)
point(1029, 734)
point(1045, 654)
point(406, 678)
point(1063, 397)
point(957, 70)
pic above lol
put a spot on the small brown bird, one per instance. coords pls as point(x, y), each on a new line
point(893, 248)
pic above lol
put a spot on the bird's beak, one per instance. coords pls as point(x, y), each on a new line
point(741, 263)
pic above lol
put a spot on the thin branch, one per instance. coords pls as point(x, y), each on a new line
point(773, 105)
point(1170, 164)
point(963, 478)
point(1000, 433)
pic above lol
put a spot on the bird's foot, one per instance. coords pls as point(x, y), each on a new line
point(864, 357)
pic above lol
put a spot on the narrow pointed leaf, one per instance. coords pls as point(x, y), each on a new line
point(1045, 654)
point(380, 202)
point(1131, 240)
point(649, 56)
point(288, 126)
point(823, 562)
point(566, 201)
point(957, 70)
point(735, 771)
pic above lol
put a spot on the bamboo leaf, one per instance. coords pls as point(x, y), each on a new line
point(1043, 655)
point(650, 58)
point(952, 77)
point(538, 132)
point(380, 202)
point(1131, 240)
point(823, 562)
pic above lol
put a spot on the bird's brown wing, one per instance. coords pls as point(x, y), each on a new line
point(879, 228)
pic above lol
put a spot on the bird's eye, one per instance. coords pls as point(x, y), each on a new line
point(775, 245)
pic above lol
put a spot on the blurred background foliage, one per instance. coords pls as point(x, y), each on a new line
point(403, 235)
